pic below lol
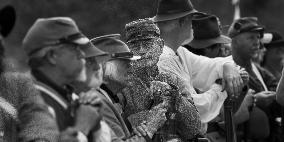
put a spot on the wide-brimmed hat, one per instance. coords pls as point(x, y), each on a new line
point(173, 9)
point(114, 46)
point(7, 20)
point(245, 24)
point(57, 30)
point(207, 31)
point(272, 39)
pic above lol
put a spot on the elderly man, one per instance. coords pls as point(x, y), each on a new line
point(174, 20)
point(56, 50)
point(246, 33)
point(24, 116)
point(114, 75)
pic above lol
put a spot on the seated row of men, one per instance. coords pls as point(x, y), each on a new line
point(153, 87)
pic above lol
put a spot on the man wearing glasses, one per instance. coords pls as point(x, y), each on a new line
point(56, 51)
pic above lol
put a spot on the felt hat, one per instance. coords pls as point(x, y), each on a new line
point(114, 46)
point(173, 9)
point(207, 31)
point(273, 39)
point(57, 30)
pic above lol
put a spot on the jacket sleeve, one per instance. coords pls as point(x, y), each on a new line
point(268, 78)
point(210, 102)
point(207, 103)
point(134, 138)
point(36, 124)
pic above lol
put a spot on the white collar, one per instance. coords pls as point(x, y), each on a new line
point(168, 51)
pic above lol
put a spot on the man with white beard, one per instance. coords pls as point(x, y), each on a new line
point(107, 80)
point(57, 51)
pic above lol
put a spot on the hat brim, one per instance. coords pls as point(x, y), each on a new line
point(167, 17)
point(7, 20)
point(275, 44)
point(258, 29)
point(199, 44)
point(89, 49)
point(134, 58)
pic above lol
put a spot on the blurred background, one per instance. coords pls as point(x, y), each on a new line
point(98, 17)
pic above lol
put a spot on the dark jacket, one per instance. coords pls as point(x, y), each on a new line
point(113, 118)
point(273, 110)
point(30, 121)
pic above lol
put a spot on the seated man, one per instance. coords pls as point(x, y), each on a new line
point(56, 50)
point(174, 19)
point(23, 114)
point(114, 75)
point(246, 33)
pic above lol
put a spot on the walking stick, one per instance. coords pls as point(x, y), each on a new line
point(228, 104)
point(229, 122)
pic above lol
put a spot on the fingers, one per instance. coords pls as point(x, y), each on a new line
point(237, 87)
point(69, 135)
point(229, 86)
point(90, 98)
point(140, 130)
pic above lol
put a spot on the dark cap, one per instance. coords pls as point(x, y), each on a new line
point(141, 29)
point(57, 30)
point(7, 20)
point(245, 24)
point(207, 31)
point(114, 46)
point(173, 9)
point(273, 39)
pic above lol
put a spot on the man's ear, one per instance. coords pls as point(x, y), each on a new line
point(51, 57)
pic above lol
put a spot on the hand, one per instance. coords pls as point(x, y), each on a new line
point(140, 130)
point(249, 99)
point(69, 135)
point(91, 97)
point(155, 119)
point(265, 98)
point(232, 80)
point(244, 75)
point(87, 118)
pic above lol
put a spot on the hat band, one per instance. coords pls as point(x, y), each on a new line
point(70, 38)
point(122, 55)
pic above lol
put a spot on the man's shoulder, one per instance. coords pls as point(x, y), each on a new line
point(16, 77)
point(16, 85)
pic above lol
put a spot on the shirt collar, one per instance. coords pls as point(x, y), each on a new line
point(167, 50)
point(66, 90)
